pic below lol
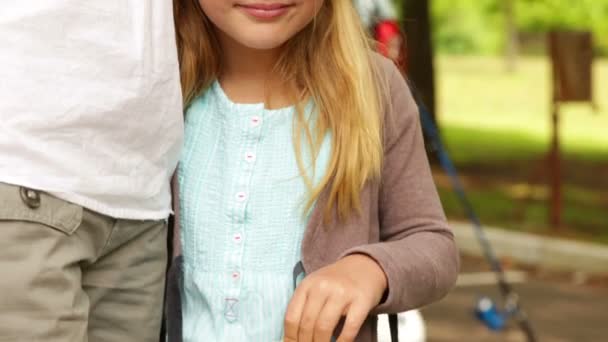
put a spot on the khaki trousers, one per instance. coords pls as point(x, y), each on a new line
point(69, 274)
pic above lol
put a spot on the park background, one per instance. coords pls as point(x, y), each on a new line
point(493, 108)
point(491, 77)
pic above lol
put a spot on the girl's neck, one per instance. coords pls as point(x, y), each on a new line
point(247, 75)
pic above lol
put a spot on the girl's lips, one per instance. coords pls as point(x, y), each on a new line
point(265, 11)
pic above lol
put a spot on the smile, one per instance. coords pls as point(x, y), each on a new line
point(265, 11)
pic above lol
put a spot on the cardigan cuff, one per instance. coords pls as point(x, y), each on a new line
point(379, 254)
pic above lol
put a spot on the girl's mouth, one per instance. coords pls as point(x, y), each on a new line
point(264, 11)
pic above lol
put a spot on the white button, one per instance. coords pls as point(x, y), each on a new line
point(235, 275)
point(238, 238)
point(241, 196)
point(250, 157)
point(256, 121)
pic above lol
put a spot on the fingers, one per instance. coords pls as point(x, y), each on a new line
point(314, 312)
point(318, 305)
point(357, 313)
point(329, 317)
point(315, 301)
point(294, 313)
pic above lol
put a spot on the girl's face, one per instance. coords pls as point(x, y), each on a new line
point(260, 24)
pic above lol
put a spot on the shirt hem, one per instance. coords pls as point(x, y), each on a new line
point(126, 214)
point(97, 206)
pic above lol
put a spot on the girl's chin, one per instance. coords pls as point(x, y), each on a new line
point(262, 42)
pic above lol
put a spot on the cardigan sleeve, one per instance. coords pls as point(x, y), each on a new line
point(417, 250)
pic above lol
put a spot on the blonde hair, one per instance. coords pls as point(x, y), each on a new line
point(328, 61)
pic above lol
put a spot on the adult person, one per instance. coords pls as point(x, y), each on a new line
point(90, 133)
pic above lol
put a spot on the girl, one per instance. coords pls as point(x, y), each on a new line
point(301, 145)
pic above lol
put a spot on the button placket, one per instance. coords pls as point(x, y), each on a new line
point(246, 161)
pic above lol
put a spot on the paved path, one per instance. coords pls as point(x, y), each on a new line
point(559, 311)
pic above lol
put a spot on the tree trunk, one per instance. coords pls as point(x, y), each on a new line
point(420, 69)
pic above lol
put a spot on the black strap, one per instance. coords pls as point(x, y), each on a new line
point(298, 270)
point(393, 323)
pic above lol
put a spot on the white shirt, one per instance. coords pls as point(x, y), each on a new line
point(90, 102)
point(371, 10)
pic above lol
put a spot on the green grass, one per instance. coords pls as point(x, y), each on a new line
point(497, 129)
point(476, 92)
point(497, 208)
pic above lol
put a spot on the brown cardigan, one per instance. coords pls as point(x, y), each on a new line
point(402, 225)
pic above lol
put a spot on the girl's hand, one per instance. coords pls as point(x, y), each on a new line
point(351, 287)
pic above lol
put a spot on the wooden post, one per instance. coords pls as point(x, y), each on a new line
point(555, 170)
point(572, 58)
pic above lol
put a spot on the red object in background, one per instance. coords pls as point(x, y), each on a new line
point(391, 42)
point(385, 31)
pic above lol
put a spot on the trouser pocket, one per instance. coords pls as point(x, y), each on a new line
point(41, 296)
point(19, 203)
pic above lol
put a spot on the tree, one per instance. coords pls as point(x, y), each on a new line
point(421, 71)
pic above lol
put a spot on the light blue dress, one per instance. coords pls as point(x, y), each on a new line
point(242, 210)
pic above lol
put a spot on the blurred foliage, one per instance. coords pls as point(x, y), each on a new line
point(495, 126)
point(542, 15)
point(478, 26)
point(464, 26)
